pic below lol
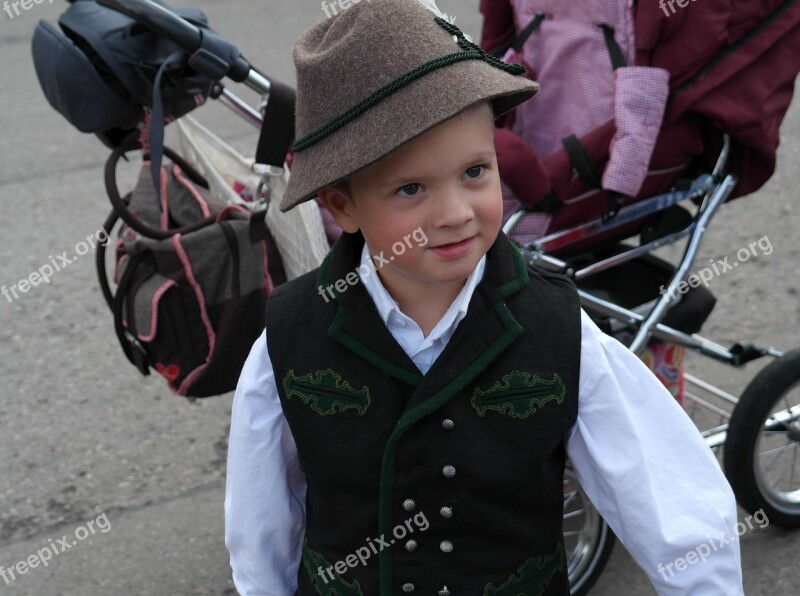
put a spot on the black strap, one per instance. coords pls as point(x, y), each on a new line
point(614, 51)
point(613, 205)
point(277, 131)
point(258, 226)
point(134, 350)
point(121, 207)
point(156, 136)
point(233, 246)
point(518, 40)
point(522, 36)
point(100, 256)
point(582, 162)
point(549, 204)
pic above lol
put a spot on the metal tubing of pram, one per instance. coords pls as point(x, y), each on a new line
point(514, 220)
point(718, 197)
point(660, 331)
point(711, 389)
point(543, 260)
point(241, 107)
point(707, 405)
point(258, 82)
point(716, 440)
point(631, 254)
point(722, 160)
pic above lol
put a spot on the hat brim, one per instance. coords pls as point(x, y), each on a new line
point(399, 118)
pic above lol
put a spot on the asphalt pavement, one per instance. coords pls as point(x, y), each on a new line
point(126, 481)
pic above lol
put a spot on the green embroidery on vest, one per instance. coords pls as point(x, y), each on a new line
point(317, 567)
point(326, 392)
point(519, 394)
point(470, 51)
point(531, 578)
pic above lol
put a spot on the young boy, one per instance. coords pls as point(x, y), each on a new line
point(402, 425)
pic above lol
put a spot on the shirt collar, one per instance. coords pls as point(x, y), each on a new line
point(388, 309)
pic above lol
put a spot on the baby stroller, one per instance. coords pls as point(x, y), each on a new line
point(639, 157)
point(591, 248)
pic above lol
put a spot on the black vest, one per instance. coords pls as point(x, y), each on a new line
point(444, 483)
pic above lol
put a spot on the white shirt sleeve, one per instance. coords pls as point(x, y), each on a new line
point(265, 490)
point(647, 470)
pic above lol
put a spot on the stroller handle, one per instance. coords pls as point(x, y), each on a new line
point(188, 36)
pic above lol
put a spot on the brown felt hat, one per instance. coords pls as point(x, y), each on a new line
point(377, 75)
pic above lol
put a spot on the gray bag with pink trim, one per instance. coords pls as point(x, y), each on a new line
point(193, 276)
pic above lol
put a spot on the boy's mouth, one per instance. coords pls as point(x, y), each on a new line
point(454, 249)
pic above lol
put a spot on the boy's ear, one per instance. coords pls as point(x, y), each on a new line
point(341, 208)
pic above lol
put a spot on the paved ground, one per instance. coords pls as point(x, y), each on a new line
point(85, 439)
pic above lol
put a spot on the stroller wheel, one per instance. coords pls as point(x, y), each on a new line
point(587, 538)
point(762, 449)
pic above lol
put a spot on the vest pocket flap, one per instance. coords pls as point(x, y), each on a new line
point(326, 392)
point(519, 395)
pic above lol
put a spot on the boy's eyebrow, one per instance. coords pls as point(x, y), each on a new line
point(470, 160)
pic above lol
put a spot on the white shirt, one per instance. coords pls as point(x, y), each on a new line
point(636, 453)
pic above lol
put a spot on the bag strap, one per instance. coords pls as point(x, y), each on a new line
point(100, 256)
point(174, 61)
point(133, 348)
point(121, 207)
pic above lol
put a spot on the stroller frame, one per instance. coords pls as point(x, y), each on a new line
point(714, 189)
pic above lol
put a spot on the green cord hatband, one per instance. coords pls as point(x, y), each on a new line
point(470, 51)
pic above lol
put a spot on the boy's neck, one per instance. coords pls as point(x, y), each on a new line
point(424, 303)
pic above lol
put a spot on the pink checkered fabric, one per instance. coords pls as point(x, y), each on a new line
point(580, 91)
point(568, 56)
point(531, 227)
point(641, 96)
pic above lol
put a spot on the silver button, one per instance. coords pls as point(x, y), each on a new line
point(408, 588)
point(411, 545)
point(409, 505)
point(446, 512)
point(448, 471)
point(444, 592)
point(448, 424)
point(446, 546)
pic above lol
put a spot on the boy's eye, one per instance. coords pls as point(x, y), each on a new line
point(475, 171)
point(408, 190)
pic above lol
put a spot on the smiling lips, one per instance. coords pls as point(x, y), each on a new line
point(454, 249)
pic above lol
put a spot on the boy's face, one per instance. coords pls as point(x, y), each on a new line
point(446, 183)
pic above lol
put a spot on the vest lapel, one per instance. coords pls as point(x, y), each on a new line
point(487, 330)
point(357, 324)
point(484, 333)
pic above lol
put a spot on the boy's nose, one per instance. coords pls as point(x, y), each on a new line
point(451, 210)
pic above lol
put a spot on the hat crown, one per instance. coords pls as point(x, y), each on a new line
point(376, 76)
point(349, 56)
